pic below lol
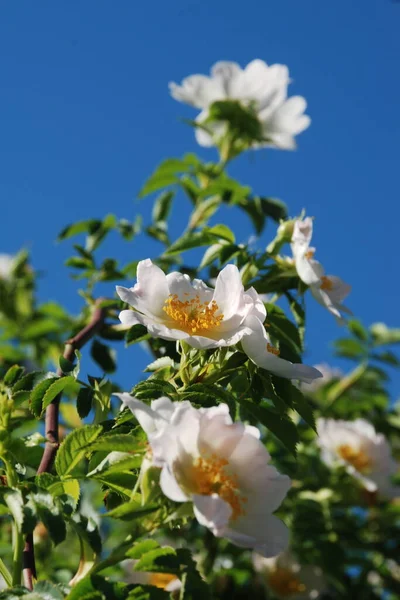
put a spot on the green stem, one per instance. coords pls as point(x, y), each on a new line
point(17, 560)
point(344, 384)
point(5, 573)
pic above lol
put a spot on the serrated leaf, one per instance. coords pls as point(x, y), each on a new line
point(137, 333)
point(103, 356)
point(47, 510)
point(38, 392)
point(28, 381)
point(153, 389)
point(191, 240)
point(165, 174)
point(286, 390)
point(222, 231)
point(15, 502)
point(141, 548)
point(162, 206)
point(131, 510)
point(116, 442)
point(74, 447)
point(48, 591)
point(357, 329)
point(13, 374)
point(56, 388)
point(66, 365)
point(281, 426)
point(274, 208)
point(159, 560)
point(84, 401)
point(87, 529)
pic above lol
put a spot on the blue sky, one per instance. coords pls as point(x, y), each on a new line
point(85, 115)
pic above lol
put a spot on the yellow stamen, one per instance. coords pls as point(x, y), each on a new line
point(326, 283)
point(310, 254)
point(161, 580)
point(210, 477)
point(272, 349)
point(192, 315)
point(284, 583)
point(357, 458)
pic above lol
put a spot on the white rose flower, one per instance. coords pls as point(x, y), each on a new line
point(285, 577)
point(6, 265)
point(328, 290)
point(365, 453)
point(174, 308)
point(220, 466)
point(258, 85)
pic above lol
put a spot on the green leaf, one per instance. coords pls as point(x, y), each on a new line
point(204, 211)
point(56, 487)
point(84, 401)
point(387, 357)
point(349, 348)
point(253, 207)
point(358, 330)
point(141, 548)
point(48, 591)
point(38, 392)
point(28, 381)
point(286, 332)
point(223, 232)
point(87, 530)
point(13, 374)
point(281, 426)
point(117, 442)
point(153, 389)
point(79, 227)
point(131, 510)
point(78, 262)
point(47, 510)
point(56, 388)
point(159, 560)
point(103, 356)
point(66, 365)
point(191, 240)
point(15, 502)
point(287, 391)
point(74, 447)
point(162, 206)
point(137, 333)
point(166, 174)
point(274, 208)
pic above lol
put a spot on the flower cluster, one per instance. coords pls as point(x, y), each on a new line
point(205, 459)
point(258, 86)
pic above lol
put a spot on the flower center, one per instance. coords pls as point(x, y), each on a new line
point(210, 477)
point(326, 283)
point(192, 315)
point(357, 458)
point(310, 254)
point(284, 583)
point(272, 349)
point(161, 580)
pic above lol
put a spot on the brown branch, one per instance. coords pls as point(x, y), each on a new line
point(51, 427)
